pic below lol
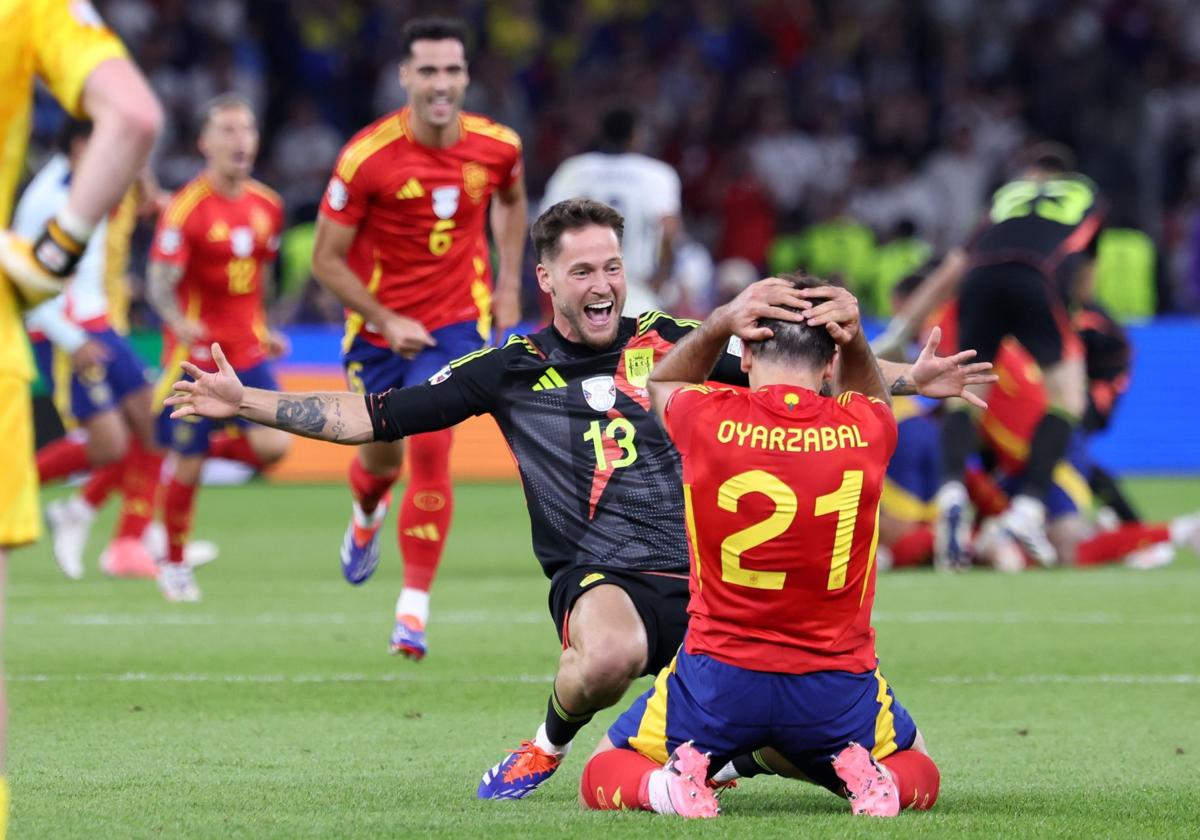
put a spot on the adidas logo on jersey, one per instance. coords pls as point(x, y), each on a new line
point(412, 189)
point(549, 381)
point(424, 532)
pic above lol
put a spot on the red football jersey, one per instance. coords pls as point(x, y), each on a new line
point(421, 246)
point(782, 492)
point(1016, 404)
point(222, 244)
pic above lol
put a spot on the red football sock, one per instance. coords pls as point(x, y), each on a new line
point(101, 483)
point(987, 496)
point(1111, 546)
point(913, 549)
point(178, 504)
point(916, 777)
point(425, 511)
point(368, 488)
point(139, 487)
point(61, 458)
point(616, 780)
point(233, 446)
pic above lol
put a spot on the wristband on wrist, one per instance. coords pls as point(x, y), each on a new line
point(56, 251)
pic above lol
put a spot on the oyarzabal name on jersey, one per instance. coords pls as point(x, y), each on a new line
point(775, 438)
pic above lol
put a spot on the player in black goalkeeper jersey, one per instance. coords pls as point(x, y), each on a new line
point(1041, 232)
point(601, 479)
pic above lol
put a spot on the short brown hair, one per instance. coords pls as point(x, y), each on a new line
point(572, 214)
point(222, 102)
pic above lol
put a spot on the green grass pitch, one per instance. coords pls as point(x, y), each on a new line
point(1057, 704)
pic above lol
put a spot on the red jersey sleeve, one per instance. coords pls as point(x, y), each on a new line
point(513, 168)
point(171, 244)
point(680, 413)
point(349, 191)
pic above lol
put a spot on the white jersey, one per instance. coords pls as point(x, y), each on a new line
point(644, 190)
point(84, 299)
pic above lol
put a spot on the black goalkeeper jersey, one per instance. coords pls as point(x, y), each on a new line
point(601, 477)
point(1040, 223)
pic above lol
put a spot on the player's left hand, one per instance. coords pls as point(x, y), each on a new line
point(506, 310)
point(215, 395)
point(278, 345)
point(838, 314)
point(950, 376)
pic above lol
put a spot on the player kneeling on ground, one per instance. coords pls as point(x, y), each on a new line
point(782, 487)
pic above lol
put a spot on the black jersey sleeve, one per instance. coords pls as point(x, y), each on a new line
point(464, 388)
point(728, 369)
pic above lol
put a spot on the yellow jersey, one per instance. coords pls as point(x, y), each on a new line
point(60, 42)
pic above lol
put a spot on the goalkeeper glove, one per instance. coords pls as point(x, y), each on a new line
point(38, 269)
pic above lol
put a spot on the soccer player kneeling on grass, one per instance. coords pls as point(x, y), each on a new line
point(782, 487)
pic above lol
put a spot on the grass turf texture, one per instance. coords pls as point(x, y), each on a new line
point(1056, 703)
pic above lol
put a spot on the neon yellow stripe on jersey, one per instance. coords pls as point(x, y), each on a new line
point(462, 360)
point(649, 319)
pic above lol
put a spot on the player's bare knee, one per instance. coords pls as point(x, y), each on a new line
point(108, 439)
point(381, 458)
point(609, 669)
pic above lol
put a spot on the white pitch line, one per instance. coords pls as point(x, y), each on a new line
point(1070, 679)
point(952, 617)
point(289, 679)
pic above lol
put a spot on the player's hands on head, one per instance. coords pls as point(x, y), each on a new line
point(405, 336)
point(90, 354)
point(838, 314)
point(950, 376)
point(216, 395)
point(764, 299)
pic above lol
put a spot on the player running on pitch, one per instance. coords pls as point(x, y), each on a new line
point(601, 478)
point(209, 266)
point(782, 489)
point(401, 242)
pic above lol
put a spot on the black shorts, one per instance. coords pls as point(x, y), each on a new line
point(660, 599)
point(1014, 299)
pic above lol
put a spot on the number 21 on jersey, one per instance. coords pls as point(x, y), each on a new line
point(842, 502)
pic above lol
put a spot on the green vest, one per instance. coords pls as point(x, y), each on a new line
point(893, 262)
point(839, 246)
point(1126, 264)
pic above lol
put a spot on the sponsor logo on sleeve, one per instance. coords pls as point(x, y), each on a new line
point(441, 376)
point(169, 240)
point(337, 193)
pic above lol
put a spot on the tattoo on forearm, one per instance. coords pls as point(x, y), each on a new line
point(306, 416)
point(902, 387)
point(161, 280)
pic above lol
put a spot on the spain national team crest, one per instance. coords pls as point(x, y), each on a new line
point(261, 222)
point(241, 241)
point(475, 180)
point(445, 202)
point(639, 361)
point(600, 392)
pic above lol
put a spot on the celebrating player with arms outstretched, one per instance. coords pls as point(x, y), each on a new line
point(601, 478)
point(782, 487)
point(209, 266)
point(401, 241)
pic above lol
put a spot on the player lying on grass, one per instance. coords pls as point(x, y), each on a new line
point(601, 478)
point(782, 487)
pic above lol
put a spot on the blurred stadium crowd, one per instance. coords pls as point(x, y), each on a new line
point(872, 129)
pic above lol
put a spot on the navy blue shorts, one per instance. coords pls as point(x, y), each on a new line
point(1069, 491)
point(729, 711)
point(101, 387)
point(371, 369)
point(189, 435)
point(915, 471)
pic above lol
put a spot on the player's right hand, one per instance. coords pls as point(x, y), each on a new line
point(90, 354)
point(33, 281)
point(215, 395)
point(405, 336)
